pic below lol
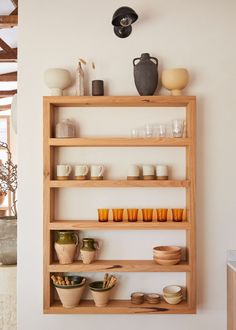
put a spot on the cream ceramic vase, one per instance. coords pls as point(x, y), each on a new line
point(175, 80)
point(57, 79)
point(66, 244)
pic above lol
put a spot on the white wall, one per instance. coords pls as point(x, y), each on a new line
point(198, 35)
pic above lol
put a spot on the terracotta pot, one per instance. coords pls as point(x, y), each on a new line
point(70, 295)
point(2, 198)
point(100, 296)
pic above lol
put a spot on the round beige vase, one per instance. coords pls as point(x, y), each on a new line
point(175, 80)
point(57, 79)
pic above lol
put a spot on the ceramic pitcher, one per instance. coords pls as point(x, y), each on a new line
point(88, 250)
point(66, 244)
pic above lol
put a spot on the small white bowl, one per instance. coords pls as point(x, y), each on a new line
point(172, 290)
point(174, 300)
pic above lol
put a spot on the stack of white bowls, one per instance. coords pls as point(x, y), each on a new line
point(167, 255)
point(173, 294)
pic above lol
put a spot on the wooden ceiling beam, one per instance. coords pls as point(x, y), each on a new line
point(15, 11)
point(8, 93)
point(15, 3)
point(12, 76)
point(5, 107)
point(7, 21)
point(8, 56)
point(6, 47)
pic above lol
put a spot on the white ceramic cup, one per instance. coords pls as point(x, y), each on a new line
point(81, 170)
point(161, 171)
point(133, 171)
point(63, 170)
point(148, 170)
point(96, 171)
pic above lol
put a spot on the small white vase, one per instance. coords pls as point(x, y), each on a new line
point(57, 79)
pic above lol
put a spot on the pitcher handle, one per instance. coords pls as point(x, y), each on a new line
point(155, 60)
point(135, 59)
point(76, 238)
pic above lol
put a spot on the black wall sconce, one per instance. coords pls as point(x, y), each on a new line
point(122, 19)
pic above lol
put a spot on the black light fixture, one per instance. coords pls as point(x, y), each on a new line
point(122, 19)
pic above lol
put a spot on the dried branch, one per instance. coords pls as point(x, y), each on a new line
point(8, 177)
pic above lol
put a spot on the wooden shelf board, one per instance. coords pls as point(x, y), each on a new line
point(110, 225)
point(119, 266)
point(120, 183)
point(120, 142)
point(119, 101)
point(121, 307)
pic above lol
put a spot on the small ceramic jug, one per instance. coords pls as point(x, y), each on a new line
point(66, 244)
point(88, 250)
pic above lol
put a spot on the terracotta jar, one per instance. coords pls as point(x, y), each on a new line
point(88, 250)
point(66, 244)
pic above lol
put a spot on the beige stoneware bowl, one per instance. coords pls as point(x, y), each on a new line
point(172, 290)
point(173, 300)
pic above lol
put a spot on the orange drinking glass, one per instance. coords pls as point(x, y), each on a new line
point(132, 215)
point(117, 215)
point(103, 215)
point(147, 215)
point(177, 215)
point(162, 215)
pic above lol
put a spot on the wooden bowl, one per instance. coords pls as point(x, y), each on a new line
point(167, 262)
point(167, 256)
point(167, 249)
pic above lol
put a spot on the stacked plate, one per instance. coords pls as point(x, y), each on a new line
point(152, 298)
point(167, 255)
point(173, 294)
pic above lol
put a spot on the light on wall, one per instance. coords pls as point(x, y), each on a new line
point(122, 19)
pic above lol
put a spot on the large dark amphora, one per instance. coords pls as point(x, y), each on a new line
point(146, 74)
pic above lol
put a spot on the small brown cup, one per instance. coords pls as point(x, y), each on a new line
point(177, 215)
point(117, 215)
point(162, 215)
point(103, 215)
point(132, 215)
point(147, 215)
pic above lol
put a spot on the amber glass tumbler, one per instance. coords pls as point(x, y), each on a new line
point(117, 215)
point(162, 215)
point(177, 215)
point(132, 215)
point(147, 215)
point(103, 215)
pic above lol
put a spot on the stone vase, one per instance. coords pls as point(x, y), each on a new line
point(8, 241)
point(146, 74)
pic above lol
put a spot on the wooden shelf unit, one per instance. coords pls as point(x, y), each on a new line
point(50, 144)
point(110, 225)
point(121, 307)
